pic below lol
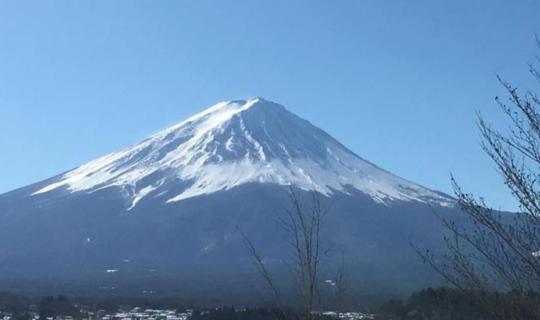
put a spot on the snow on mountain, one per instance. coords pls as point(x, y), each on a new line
point(238, 142)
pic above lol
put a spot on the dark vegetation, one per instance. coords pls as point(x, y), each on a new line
point(427, 304)
point(457, 304)
point(10, 302)
point(17, 305)
point(230, 313)
point(21, 308)
point(51, 306)
point(57, 306)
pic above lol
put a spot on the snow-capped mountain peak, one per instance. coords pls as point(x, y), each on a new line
point(233, 143)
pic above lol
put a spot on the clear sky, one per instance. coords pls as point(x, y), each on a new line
point(398, 82)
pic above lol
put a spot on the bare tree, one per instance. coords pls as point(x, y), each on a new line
point(341, 286)
point(261, 269)
point(500, 251)
point(302, 225)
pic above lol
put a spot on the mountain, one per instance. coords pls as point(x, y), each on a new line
point(170, 208)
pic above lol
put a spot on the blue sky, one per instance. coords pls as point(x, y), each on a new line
point(398, 82)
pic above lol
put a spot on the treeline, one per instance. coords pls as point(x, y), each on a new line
point(457, 304)
point(426, 304)
point(231, 313)
point(21, 307)
point(17, 305)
